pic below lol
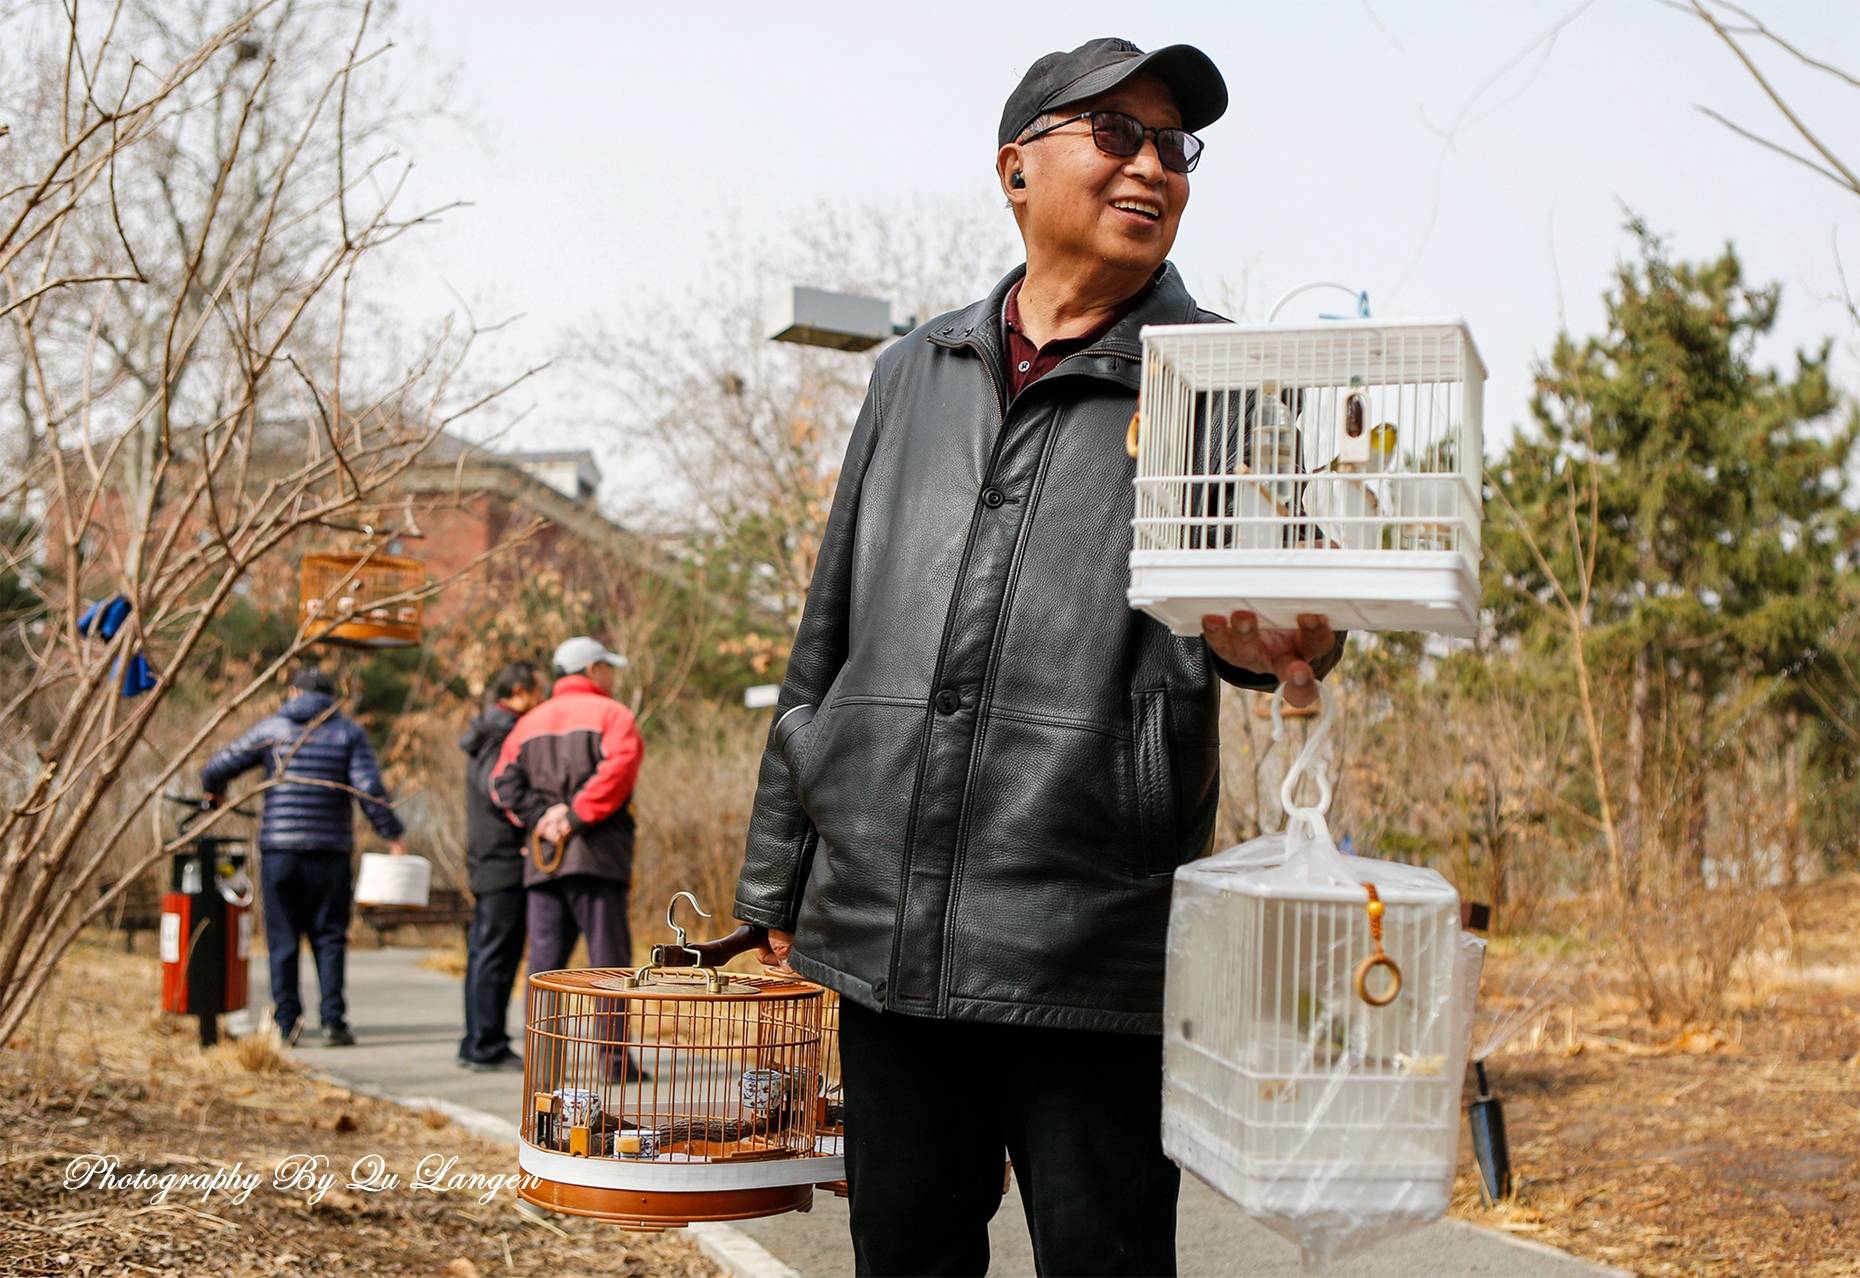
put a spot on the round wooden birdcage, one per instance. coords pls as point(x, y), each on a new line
point(658, 1096)
point(356, 599)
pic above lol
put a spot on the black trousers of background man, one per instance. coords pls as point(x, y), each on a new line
point(493, 952)
point(306, 894)
point(932, 1109)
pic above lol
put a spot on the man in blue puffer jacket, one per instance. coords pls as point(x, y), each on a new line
point(318, 760)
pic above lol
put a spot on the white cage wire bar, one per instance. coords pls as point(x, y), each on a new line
point(1333, 468)
point(689, 1095)
point(1282, 1087)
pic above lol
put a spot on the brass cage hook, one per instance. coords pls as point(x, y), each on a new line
point(671, 919)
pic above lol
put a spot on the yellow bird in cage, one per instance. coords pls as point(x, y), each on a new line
point(1382, 447)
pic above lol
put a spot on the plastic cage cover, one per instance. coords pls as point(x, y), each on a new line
point(1316, 1021)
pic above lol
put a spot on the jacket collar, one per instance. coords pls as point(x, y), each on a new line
point(978, 327)
point(306, 706)
point(575, 685)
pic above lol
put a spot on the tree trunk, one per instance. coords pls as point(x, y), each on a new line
point(1611, 832)
point(1496, 850)
point(1698, 825)
point(1792, 799)
point(1633, 803)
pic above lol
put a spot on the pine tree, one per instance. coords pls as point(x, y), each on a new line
point(1698, 497)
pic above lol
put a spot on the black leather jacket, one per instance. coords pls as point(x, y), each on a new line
point(985, 766)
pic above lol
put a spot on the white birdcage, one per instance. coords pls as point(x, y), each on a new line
point(1332, 468)
point(1315, 1028)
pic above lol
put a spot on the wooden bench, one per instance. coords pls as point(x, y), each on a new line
point(137, 910)
point(445, 906)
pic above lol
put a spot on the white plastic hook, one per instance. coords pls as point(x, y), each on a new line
point(1313, 759)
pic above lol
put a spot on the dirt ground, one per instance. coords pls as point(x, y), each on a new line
point(98, 1073)
point(1730, 1148)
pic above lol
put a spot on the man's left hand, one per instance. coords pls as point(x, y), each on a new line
point(1287, 654)
point(553, 827)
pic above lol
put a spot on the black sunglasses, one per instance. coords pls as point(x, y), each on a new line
point(1122, 135)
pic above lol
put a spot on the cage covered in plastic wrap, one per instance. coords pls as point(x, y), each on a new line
point(1315, 1028)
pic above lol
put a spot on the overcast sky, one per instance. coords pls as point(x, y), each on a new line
point(1468, 159)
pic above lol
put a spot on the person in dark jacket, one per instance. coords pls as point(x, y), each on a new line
point(566, 772)
point(984, 766)
point(318, 762)
point(494, 869)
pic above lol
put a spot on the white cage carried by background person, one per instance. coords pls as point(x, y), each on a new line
point(1329, 468)
point(1316, 1014)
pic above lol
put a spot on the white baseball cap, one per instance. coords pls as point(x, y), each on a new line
point(577, 654)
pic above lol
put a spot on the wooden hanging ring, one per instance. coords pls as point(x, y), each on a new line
point(554, 863)
point(1130, 436)
point(1375, 909)
point(1369, 965)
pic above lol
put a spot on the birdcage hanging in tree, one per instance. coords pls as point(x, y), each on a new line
point(362, 598)
point(1316, 1014)
point(673, 1093)
point(1331, 468)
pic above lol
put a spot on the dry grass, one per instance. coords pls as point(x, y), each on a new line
point(1723, 1147)
point(695, 793)
point(98, 1072)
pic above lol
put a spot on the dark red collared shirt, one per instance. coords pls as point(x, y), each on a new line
point(1027, 363)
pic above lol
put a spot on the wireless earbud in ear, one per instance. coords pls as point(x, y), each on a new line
point(1018, 181)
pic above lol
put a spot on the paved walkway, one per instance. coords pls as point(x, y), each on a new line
point(408, 1021)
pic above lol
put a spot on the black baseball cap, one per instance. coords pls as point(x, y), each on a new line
point(310, 679)
point(1098, 66)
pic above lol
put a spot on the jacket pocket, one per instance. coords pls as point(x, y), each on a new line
point(794, 735)
point(1154, 777)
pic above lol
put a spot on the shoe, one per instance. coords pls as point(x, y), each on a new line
point(504, 1062)
point(291, 1033)
point(463, 1062)
point(338, 1035)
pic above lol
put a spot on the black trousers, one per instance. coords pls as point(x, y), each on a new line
point(493, 952)
point(932, 1109)
point(307, 894)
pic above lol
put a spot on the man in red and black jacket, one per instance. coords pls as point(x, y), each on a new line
point(566, 772)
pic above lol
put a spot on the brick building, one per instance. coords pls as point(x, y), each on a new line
point(468, 499)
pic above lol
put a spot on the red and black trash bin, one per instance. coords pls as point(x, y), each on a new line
point(206, 930)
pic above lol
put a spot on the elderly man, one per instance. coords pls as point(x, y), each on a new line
point(566, 771)
point(985, 767)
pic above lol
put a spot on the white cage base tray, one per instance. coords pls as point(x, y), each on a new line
point(693, 1175)
point(1405, 1192)
point(1430, 590)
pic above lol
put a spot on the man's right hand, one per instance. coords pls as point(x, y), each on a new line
point(775, 953)
point(553, 827)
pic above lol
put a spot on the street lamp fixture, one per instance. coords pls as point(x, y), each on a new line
point(839, 321)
